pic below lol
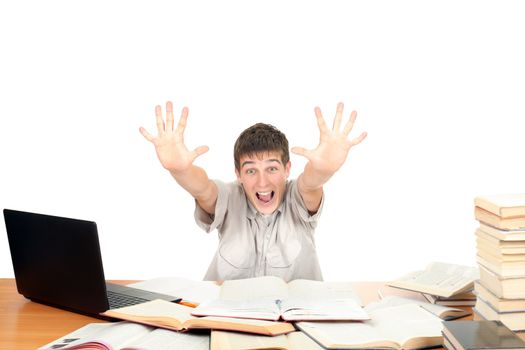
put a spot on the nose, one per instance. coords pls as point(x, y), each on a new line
point(261, 180)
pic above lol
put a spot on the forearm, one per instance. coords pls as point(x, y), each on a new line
point(196, 182)
point(310, 184)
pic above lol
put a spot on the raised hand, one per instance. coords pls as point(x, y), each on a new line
point(169, 143)
point(333, 146)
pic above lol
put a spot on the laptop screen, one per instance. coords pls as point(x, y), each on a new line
point(57, 260)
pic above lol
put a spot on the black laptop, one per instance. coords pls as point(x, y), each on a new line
point(57, 262)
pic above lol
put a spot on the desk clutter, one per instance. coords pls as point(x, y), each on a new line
point(415, 310)
point(392, 322)
point(500, 245)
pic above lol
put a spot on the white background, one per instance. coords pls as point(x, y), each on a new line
point(439, 86)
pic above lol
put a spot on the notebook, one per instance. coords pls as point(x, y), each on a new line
point(57, 262)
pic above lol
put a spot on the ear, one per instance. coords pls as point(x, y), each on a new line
point(238, 175)
point(287, 168)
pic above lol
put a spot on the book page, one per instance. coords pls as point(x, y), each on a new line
point(264, 308)
point(409, 323)
point(240, 341)
point(267, 287)
point(439, 279)
point(173, 314)
point(323, 290)
point(294, 309)
point(388, 327)
point(300, 341)
point(162, 339)
point(195, 291)
point(101, 335)
point(346, 334)
point(440, 311)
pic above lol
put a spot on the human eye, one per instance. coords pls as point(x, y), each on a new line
point(250, 171)
point(273, 169)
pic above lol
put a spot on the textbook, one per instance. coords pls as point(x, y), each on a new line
point(192, 291)
point(441, 279)
point(503, 223)
point(270, 298)
point(221, 340)
point(480, 335)
point(443, 312)
point(514, 320)
point(127, 336)
point(405, 326)
point(499, 304)
point(503, 235)
point(505, 288)
point(502, 205)
point(165, 314)
point(505, 269)
point(462, 299)
point(488, 242)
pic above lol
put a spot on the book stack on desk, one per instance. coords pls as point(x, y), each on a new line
point(480, 335)
point(467, 298)
point(500, 246)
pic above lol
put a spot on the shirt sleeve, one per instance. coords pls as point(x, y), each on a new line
point(299, 207)
point(209, 222)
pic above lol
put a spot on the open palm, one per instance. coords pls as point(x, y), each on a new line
point(169, 143)
point(332, 151)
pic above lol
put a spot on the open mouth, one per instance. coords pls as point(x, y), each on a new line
point(265, 197)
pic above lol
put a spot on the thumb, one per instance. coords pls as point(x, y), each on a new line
point(146, 134)
point(200, 150)
point(301, 151)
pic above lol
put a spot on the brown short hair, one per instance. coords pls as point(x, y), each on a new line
point(260, 138)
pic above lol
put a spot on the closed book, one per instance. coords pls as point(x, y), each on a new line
point(462, 299)
point(505, 269)
point(503, 223)
point(499, 304)
point(503, 205)
point(481, 335)
point(514, 320)
point(506, 288)
point(503, 235)
point(489, 242)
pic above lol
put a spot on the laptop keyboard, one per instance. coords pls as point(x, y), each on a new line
point(117, 300)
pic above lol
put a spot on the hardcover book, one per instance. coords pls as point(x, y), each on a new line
point(481, 335)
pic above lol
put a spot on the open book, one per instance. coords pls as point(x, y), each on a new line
point(441, 311)
point(270, 298)
point(440, 279)
point(406, 326)
point(165, 314)
point(127, 336)
point(237, 341)
point(192, 291)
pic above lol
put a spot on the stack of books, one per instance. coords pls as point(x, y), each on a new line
point(476, 335)
point(467, 298)
point(501, 258)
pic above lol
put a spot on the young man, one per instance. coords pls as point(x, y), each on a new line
point(265, 222)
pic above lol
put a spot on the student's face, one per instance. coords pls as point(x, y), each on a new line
point(263, 177)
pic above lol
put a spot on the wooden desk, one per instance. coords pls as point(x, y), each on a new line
point(28, 325)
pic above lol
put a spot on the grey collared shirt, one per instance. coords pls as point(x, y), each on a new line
point(252, 244)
